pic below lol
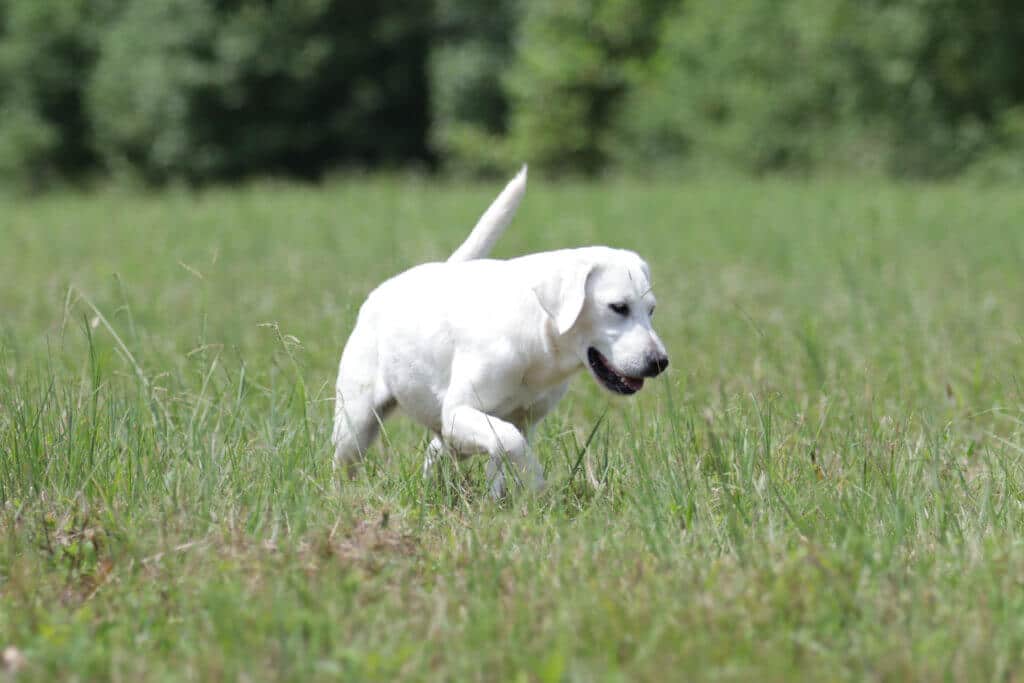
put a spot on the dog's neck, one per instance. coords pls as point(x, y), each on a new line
point(558, 360)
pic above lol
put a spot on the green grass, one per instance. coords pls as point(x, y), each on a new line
point(827, 485)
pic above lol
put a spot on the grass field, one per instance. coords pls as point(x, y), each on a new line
point(827, 485)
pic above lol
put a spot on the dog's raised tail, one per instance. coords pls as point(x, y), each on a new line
point(494, 221)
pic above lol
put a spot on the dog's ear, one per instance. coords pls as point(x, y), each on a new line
point(563, 294)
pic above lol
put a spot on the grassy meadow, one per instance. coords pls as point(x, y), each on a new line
point(828, 484)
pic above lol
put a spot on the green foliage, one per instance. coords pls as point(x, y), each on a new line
point(218, 89)
point(47, 49)
point(201, 90)
point(470, 54)
point(572, 65)
point(915, 88)
point(949, 81)
point(152, 80)
point(743, 85)
point(918, 88)
point(238, 87)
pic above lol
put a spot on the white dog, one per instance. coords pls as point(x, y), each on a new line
point(479, 350)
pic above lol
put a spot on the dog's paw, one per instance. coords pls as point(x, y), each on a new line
point(498, 489)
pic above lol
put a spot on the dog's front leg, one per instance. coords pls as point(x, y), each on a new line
point(435, 451)
point(468, 430)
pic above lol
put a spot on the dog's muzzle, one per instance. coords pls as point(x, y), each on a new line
point(610, 378)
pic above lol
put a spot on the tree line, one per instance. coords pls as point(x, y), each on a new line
point(209, 90)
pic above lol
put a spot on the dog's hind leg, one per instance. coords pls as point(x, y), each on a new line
point(361, 402)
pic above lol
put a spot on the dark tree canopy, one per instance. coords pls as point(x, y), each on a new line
point(205, 90)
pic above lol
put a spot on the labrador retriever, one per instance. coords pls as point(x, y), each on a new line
point(479, 350)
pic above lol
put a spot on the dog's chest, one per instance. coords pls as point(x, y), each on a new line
point(539, 390)
point(529, 408)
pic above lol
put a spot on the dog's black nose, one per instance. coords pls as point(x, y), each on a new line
point(656, 366)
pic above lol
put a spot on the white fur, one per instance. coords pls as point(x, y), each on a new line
point(479, 350)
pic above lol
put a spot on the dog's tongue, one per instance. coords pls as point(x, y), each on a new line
point(634, 383)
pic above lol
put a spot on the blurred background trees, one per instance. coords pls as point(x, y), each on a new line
point(208, 90)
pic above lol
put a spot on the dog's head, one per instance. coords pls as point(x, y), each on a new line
point(601, 308)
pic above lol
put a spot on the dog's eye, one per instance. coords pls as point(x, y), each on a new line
point(650, 313)
point(621, 309)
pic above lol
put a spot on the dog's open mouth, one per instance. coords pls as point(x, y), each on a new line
point(611, 378)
